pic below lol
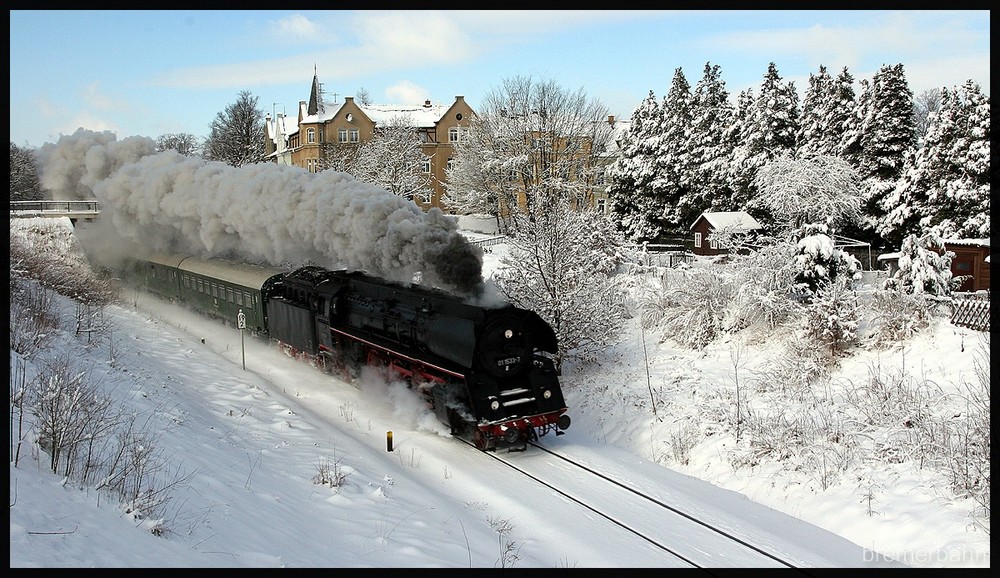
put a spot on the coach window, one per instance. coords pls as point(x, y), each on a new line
point(229, 295)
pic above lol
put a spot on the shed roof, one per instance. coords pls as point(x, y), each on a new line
point(739, 220)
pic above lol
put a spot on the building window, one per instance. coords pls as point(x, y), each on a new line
point(713, 244)
point(354, 135)
point(601, 206)
point(453, 134)
point(425, 166)
point(697, 240)
point(311, 135)
point(342, 135)
point(451, 164)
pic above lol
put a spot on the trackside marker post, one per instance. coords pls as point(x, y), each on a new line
point(241, 321)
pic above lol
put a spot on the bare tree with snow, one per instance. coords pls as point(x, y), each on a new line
point(392, 159)
point(471, 186)
point(538, 144)
point(23, 175)
point(237, 136)
point(925, 106)
point(560, 265)
point(182, 142)
point(819, 189)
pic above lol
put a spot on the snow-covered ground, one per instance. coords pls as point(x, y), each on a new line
point(242, 449)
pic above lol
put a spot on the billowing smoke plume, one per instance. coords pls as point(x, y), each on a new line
point(276, 213)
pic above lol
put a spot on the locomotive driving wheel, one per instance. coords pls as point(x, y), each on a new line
point(480, 440)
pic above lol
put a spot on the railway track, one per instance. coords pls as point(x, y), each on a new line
point(682, 537)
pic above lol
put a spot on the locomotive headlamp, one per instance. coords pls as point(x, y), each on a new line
point(495, 405)
point(508, 334)
point(546, 394)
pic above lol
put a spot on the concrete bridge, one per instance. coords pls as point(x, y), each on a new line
point(75, 210)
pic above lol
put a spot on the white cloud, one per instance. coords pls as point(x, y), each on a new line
point(299, 27)
point(405, 92)
point(412, 38)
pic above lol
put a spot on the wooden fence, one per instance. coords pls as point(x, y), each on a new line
point(971, 310)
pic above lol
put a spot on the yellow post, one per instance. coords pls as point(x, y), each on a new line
point(388, 441)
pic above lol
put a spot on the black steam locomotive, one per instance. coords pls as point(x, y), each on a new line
point(488, 372)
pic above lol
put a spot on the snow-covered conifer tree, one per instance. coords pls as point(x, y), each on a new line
point(711, 146)
point(633, 200)
point(882, 137)
point(812, 118)
point(673, 179)
point(818, 261)
point(948, 182)
point(769, 131)
point(924, 266)
point(826, 110)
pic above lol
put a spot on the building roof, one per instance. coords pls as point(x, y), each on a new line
point(737, 220)
point(421, 115)
point(969, 242)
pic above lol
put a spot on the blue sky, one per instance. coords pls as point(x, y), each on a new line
point(155, 72)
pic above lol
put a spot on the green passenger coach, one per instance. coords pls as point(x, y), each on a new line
point(222, 291)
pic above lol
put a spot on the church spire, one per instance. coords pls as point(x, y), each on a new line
point(315, 95)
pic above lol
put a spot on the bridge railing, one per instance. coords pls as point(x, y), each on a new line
point(53, 206)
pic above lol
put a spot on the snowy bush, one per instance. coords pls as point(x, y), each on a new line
point(690, 309)
point(797, 369)
point(817, 261)
point(32, 315)
point(970, 450)
point(71, 414)
point(52, 256)
point(895, 316)
point(762, 282)
point(832, 316)
point(924, 266)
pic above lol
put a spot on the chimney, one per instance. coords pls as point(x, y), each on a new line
point(427, 104)
point(611, 119)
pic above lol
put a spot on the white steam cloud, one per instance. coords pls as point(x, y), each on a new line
point(264, 212)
